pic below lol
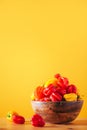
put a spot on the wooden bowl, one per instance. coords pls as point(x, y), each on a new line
point(58, 112)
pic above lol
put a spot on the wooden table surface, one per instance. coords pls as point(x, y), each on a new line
point(78, 124)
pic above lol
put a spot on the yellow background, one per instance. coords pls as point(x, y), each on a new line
point(39, 38)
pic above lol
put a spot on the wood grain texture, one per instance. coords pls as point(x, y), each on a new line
point(79, 124)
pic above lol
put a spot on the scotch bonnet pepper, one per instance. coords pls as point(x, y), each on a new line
point(70, 97)
point(56, 89)
point(10, 115)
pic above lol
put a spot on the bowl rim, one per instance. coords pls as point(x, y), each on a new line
point(81, 100)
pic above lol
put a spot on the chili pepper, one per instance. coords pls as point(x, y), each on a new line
point(10, 115)
point(45, 99)
point(51, 81)
point(61, 91)
point(55, 97)
point(37, 121)
point(32, 96)
point(49, 90)
point(18, 119)
point(63, 82)
point(57, 76)
point(38, 93)
point(70, 97)
point(71, 89)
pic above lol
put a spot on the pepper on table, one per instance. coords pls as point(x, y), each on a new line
point(15, 117)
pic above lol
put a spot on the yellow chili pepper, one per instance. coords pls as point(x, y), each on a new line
point(10, 115)
point(32, 96)
point(70, 97)
point(51, 81)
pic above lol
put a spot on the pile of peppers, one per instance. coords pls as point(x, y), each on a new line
point(56, 89)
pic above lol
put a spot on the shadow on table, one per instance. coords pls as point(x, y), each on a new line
point(77, 122)
point(73, 123)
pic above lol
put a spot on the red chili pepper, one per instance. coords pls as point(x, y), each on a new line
point(57, 76)
point(45, 99)
point(55, 97)
point(49, 90)
point(38, 93)
point(63, 82)
point(61, 91)
point(18, 119)
point(37, 121)
point(71, 89)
